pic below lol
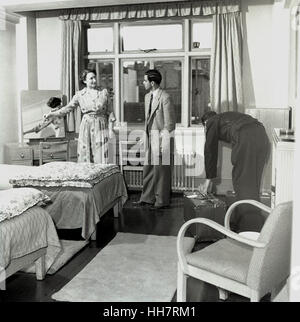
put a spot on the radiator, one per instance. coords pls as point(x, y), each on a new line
point(186, 168)
point(271, 118)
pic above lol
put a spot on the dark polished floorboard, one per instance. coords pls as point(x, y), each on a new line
point(22, 287)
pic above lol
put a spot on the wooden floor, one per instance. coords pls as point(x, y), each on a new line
point(23, 287)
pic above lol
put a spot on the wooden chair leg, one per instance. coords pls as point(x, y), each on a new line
point(40, 268)
point(254, 297)
point(116, 209)
point(2, 279)
point(181, 285)
point(223, 294)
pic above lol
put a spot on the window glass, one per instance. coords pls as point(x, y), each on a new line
point(171, 71)
point(152, 37)
point(200, 90)
point(104, 74)
point(100, 39)
point(201, 35)
point(134, 91)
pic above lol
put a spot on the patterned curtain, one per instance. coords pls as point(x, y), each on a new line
point(72, 63)
point(226, 63)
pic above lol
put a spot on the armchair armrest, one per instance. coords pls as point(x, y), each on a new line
point(246, 201)
point(216, 226)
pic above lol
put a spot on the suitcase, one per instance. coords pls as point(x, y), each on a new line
point(204, 206)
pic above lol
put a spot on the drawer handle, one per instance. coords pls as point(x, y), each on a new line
point(51, 155)
point(22, 155)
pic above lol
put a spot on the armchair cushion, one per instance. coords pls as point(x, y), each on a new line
point(226, 258)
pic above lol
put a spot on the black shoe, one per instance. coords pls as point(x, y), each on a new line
point(141, 203)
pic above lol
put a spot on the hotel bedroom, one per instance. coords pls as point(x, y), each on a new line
point(71, 231)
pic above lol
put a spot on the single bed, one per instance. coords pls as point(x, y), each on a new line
point(27, 235)
point(75, 203)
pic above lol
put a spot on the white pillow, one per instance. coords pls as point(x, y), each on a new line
point(8, 171)
point(15, 201)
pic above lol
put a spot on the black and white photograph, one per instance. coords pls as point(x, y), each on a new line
point(148, 154)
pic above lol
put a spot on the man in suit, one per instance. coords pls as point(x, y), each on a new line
point(250, 149)
point(159, 126)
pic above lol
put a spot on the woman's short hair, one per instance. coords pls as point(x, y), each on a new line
point(207, 115)
point(83, 74)
point(53, 102)
point(154, 76)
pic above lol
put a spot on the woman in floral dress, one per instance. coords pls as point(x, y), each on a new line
point(97, 113)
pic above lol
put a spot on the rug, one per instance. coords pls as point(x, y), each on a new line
point(69, 248)
point(131, 268)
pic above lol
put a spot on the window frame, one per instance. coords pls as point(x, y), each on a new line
point(193, 21)
point(151, 60)
point(95, 25)
point(151, 23)
point(118, 56)
point(191, 87)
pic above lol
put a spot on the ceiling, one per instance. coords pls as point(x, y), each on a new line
point(36, 5)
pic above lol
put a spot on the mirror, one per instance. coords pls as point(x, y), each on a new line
point(34, 107)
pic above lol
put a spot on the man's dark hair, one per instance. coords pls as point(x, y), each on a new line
point(154, 76)
point(54, 102)
point(207, 115)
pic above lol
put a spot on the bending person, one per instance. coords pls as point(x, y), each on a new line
point(97, 113)
point(250, 148)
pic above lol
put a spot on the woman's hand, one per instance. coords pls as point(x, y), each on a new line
point(206, 186)
point(50, 116)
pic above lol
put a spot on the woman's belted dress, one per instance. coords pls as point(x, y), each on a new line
point(96, 109)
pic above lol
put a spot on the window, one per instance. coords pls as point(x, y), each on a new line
point(201, 34)
point(167, 45)
point(100, 39)
point(141, 37)
point(171, 71)
point(133, 91)
point(200, 90)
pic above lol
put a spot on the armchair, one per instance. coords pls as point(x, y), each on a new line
point(251, 268)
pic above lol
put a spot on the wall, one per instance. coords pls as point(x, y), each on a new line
point(8, 90)
point(265, 53)
point(49, 52)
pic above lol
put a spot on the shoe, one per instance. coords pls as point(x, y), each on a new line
point(155, 207)
point(141, 203)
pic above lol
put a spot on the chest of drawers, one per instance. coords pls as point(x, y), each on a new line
point(17, 153)
point(25, 154)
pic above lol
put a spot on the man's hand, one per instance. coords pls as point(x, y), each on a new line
point(206, 186)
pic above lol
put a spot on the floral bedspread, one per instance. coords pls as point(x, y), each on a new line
point(65, 174)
